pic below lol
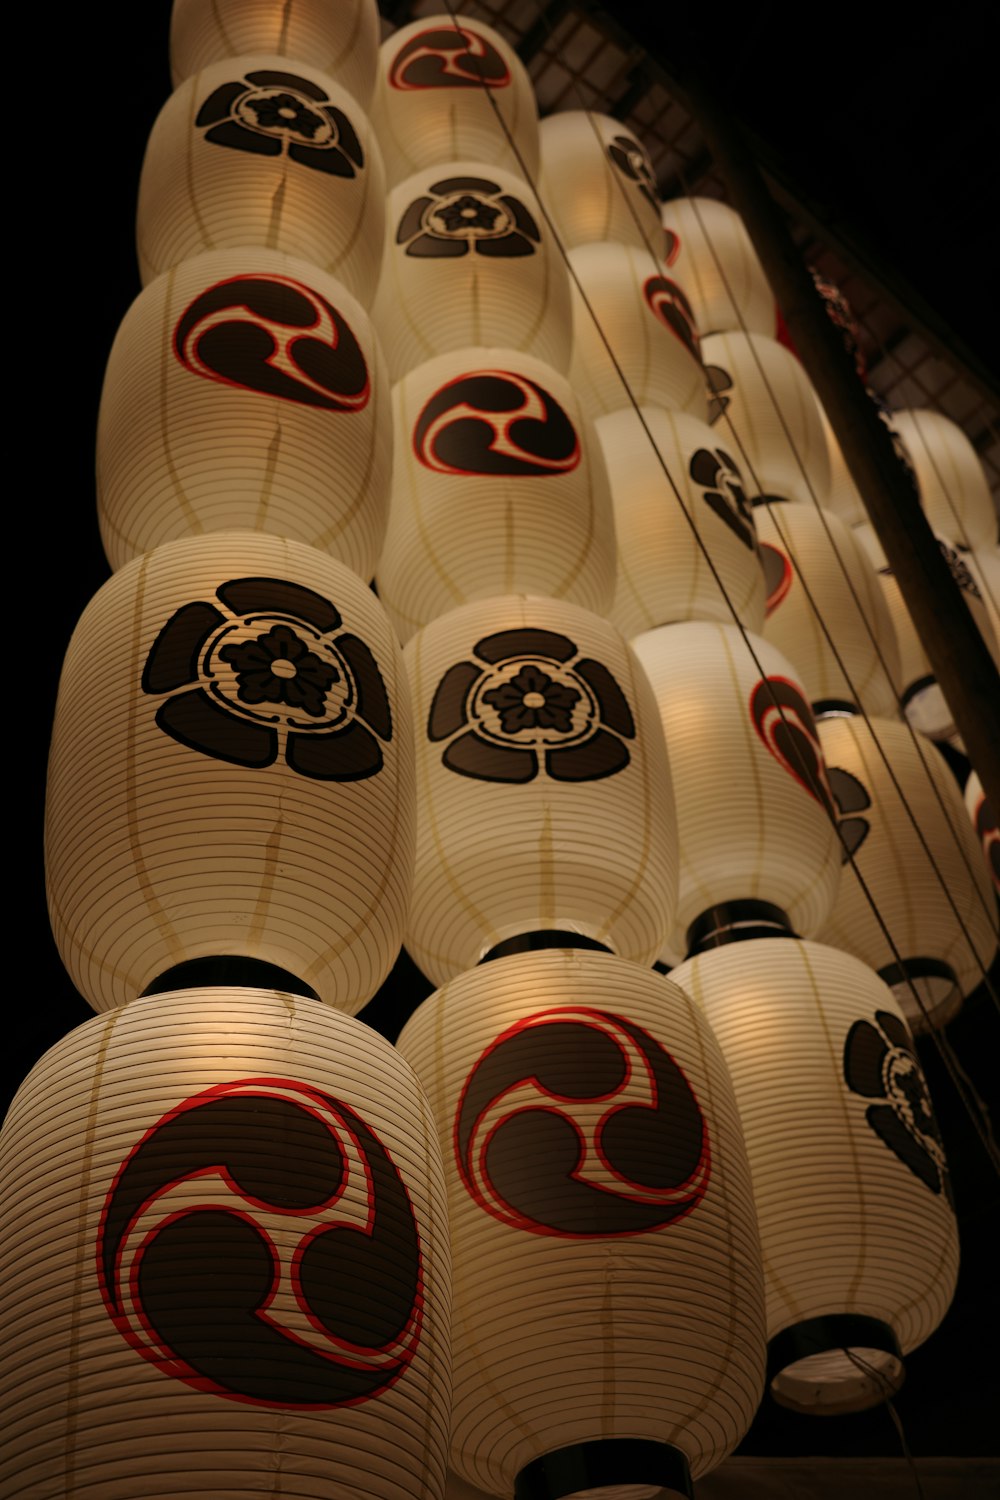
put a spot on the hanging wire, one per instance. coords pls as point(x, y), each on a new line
point(885, 1386)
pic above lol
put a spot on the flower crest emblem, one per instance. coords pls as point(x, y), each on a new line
point(462, 214)
point(631, 160)
point(881, 1064)
point(271, 113)
point(531, 701)
point(722, 490)
point(262, 668)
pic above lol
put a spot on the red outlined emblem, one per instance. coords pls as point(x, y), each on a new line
point(778, 576)
point(258, 1243)
point(985, 823)
point(498, 423)
point(784, 722)
point(575, 1122)
point(276, 336)
point(448, 57)
point(667, 302)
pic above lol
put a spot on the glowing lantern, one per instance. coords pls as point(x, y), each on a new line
point(984, 821)
point(858, 1235)
point(440, 82)
point(258, 151)
point(538, 742)
point(245, 391)
point(673, 484)
point(953, 488)
point(469, 259)
point(231, 775)
point(498, 484)
point(598, 183)
point(579, 1359)
point(238, 1258)
point(712, 257)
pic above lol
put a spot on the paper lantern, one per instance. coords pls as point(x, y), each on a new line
point(673, 485)
point(225, 1262)
point(231, 774)
point(608, 1321)
point(826, 612)
point(712, 257)
point(753, 804)
point(843, 497)
point(341, 39)
point(544, 791)
point(857, 1230)
point(470, 259)
point(953, 488)
point(649, 326)
point(498, 484)
point(927, 881)
point(259, 151)
point(440, 85)
point(245, 391)
point(984, 821)
point(764, 405)
point(598, 183)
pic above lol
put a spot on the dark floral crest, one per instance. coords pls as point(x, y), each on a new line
point(880, 1064)
point(785, 724)
point(262, 668)
point(270, 113)
point(719, 382)
point(852, 798)
point(723, 492)
point(631, 160)
point(462, 214)
point(531, 700)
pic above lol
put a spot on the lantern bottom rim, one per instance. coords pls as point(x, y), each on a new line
point(827, 1366)
point(228, 971)
point(635, 1467)
point(938, 994)
point(736, 922)
point(540, 940)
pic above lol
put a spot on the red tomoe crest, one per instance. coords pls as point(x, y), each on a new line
point(777, 575)
point(784, 721)
point(985, 823)
point(498, 423)
point(576, 1122)
point(667, 302)
point(274, 335)
point(258, 1243)
point(672, 246)
point(448, 57)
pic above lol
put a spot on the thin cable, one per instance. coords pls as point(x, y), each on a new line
point(887, 1391)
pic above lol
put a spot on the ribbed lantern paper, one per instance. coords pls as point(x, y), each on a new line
point(441, 83)
point(245, 390)
point(261, 150)
point(544, 796)
point(470, 259)
point(953, 488)
point(673, 484)
point(753, 803)
point(607, 1291)
point(231, 773)
point(712, 257)
point(646, 320)
point(764, 405)
point(928, 882)
point(858, 1235)
point(598, 182)
point(225, 1261)
point(826, 612)
point(341, 39)
point(498, 485)
point(984, 821)
point(843, 497)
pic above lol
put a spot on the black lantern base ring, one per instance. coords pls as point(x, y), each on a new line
point(842, 1362)
point(936, 986)
point(537, 942)
point(736, 922)
point(228, 971)
point(607, 1461)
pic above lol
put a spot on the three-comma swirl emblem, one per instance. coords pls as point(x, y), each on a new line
point(498, 423)
point(448, 57)
point(576, 1122)
point(258, 1243)
point(276, 336)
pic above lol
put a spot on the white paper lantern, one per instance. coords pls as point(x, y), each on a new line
point(469, 259)
point(225, 1263)
point(260, 151)
point(646, 320)
point(544, 791)
point(843, 497)
point(498, 485)
point(984, 821)
point(597, 182)
point(753, 803)
point(928, 882)
point(712, 257)
point(231, 773)
point(953, 488)
point(341, 39)
point(858, 1234)
point(440, 83)
point(826, 612)
point(673, 484)
point(607, 1289)
point(764, 405)
point(245, 391)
